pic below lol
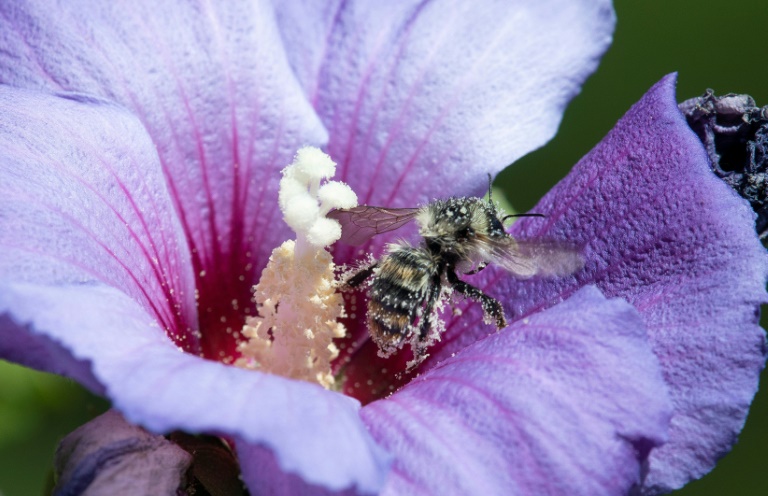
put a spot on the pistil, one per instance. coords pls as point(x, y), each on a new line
point(297, 304)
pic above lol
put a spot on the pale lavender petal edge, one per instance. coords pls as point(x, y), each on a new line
point(156, 385)
point(260, 469)
point(83, 199)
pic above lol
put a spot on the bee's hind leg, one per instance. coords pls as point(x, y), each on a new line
point(421, 341)
point(477, 269)
point(361, 276)
point(425, 323)
point(491, 307)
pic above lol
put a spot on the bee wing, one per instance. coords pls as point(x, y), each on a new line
point(359, 224)
point(527, 258)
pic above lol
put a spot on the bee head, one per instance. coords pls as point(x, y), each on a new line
point(456, 225)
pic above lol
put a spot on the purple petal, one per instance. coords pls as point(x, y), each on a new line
point(568, 401)
point(83, 199)
point(211, 83)
point(110, 456)
point(660, 230)
point(422, 99)
point(153, 384)
point(261, 470)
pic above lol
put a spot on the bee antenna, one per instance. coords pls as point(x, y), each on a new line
point(490, 183)
point(521, 215)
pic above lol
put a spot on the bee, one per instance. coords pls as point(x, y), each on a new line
point(459, 235)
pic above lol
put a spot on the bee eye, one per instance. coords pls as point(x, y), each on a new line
point(465, 234)
point(496, 225)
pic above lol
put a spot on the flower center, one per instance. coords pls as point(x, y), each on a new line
point(296, 299)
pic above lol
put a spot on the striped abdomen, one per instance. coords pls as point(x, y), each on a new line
point(397, 295)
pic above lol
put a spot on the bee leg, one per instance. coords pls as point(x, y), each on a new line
point(480, 267)
point(426, 317)
point(361, 276)
point(491, 307)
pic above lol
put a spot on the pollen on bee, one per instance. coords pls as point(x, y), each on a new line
point(297, 304)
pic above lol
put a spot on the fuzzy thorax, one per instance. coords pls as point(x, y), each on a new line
point(296, 299)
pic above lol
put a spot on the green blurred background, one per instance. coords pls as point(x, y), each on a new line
point(711, 44)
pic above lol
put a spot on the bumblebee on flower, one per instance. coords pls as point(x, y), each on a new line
point(139, 179)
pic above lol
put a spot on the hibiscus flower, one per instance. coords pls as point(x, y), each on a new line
point(140, 157)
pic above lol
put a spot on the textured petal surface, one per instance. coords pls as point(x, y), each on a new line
point(657, 228)
point(212, 85)
point(153, 384)
point(83, 206)
point(83, 199)
point(422, 98)
point(568, 401)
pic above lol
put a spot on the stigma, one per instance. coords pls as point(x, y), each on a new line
point(298, 307)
